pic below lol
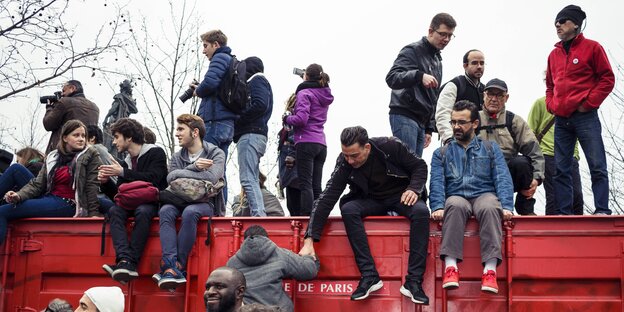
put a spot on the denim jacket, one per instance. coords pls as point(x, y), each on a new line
point(469, 173)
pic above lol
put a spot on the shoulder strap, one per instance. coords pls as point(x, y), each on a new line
point(443, 152)
point(542, 133)
point(509, 116)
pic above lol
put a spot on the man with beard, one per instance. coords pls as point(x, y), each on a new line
point(517, 141)
point(225, 288)
point(464, 87)
point(470, 177)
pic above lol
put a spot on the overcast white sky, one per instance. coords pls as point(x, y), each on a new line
point(356, 43)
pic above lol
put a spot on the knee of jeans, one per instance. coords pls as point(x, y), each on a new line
point(144, 212)
point(167, 212)
point(191, 215)
point(349, 208)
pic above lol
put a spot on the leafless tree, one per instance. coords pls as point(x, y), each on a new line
point(29, 132)
point(39, 43)
point(165, 59)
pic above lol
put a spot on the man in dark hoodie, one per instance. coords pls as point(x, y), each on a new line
point(265, 265)
point(250, 134)
point(144, 162)
point(72, 105)
point(415, 80)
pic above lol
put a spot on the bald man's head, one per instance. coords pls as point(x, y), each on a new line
point(225, 288)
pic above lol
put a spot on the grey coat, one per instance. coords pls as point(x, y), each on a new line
point(265, 265)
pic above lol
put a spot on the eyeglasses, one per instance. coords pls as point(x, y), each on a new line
point(445, 35)
point(460, 123)
point(562, 21)
point(499, 96)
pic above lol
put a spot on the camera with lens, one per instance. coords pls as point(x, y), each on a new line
point(188, 93)
point(299, 72)
point(52, 98)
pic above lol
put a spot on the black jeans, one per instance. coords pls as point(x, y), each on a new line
point(549, 188)
point(293, 201)
point(133, 249)
point(310, 160)
point(521, 171)
point(354, 211)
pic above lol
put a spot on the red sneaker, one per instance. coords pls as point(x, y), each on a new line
point(451, 278)
point(488, 282)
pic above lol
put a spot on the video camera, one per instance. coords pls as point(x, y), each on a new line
point(52, 98)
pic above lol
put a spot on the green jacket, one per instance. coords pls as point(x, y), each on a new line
point(85, 182)
point(538, 119)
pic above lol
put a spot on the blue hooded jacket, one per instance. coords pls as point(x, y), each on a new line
point(211, 108)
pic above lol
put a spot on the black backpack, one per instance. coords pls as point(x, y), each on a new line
point(233, 90)
point(509, 116)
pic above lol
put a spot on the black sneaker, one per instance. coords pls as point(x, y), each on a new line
point(125, 272)
point(414, 291)
point(366, 286)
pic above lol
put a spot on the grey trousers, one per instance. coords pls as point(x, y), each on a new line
point(489, 213)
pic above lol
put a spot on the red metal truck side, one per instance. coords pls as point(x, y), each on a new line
point(550, 264)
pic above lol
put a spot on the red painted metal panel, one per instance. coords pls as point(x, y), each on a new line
point(551, 264)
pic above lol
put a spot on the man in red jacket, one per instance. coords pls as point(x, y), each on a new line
point(578, 79)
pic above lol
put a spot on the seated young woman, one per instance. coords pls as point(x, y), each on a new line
point(66, 186)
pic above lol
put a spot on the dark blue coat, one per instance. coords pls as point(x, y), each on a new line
point(211, 108)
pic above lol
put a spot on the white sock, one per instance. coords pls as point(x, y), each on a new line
point(450, 262)
point(490, 265)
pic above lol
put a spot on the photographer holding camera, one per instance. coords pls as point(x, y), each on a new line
point(69, 104)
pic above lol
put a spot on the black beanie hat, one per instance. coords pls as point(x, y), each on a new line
point(254, 65)
point(573, 13)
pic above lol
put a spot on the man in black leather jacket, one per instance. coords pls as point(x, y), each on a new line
point(415, 80)
point(383, 175)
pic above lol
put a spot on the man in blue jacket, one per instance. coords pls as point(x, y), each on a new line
point(219, 119)
point(250, 134)
point(470, 177)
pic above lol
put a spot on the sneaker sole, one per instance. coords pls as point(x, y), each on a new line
point(408, 294)
point(451, 285)
point(107, 269)
point(489, 289)
point(170, 284)
point(371, 289)
point(123, 275)
point(156, 278)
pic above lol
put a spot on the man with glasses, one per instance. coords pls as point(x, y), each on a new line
point(464, 87)
point(414, 79)
point(578, 79)
point(480, 186)
point(72, 105)
point(517, 141)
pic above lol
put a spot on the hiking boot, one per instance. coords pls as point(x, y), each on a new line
point(414, 291)
point(172, 274)
point(124, 272)
point(451, 278)
point(488, 282)
point(366, 286)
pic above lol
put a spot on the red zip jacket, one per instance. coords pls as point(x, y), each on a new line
point(582, 77)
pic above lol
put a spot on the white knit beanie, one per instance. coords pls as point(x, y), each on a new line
point(107, 299)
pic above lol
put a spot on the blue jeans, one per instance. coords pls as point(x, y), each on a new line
point(310, 161)
point(221, 134)
point(14, 178)
point(251, 147)
point(409, 132)
point(46, 206)
point(549, 189)
point(587, 129)
point(179, 247)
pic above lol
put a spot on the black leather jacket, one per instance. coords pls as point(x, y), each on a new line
point(409, 97)
point(400, 162)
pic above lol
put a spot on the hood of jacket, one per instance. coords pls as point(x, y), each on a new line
point(144, 149)
point(256, 250)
